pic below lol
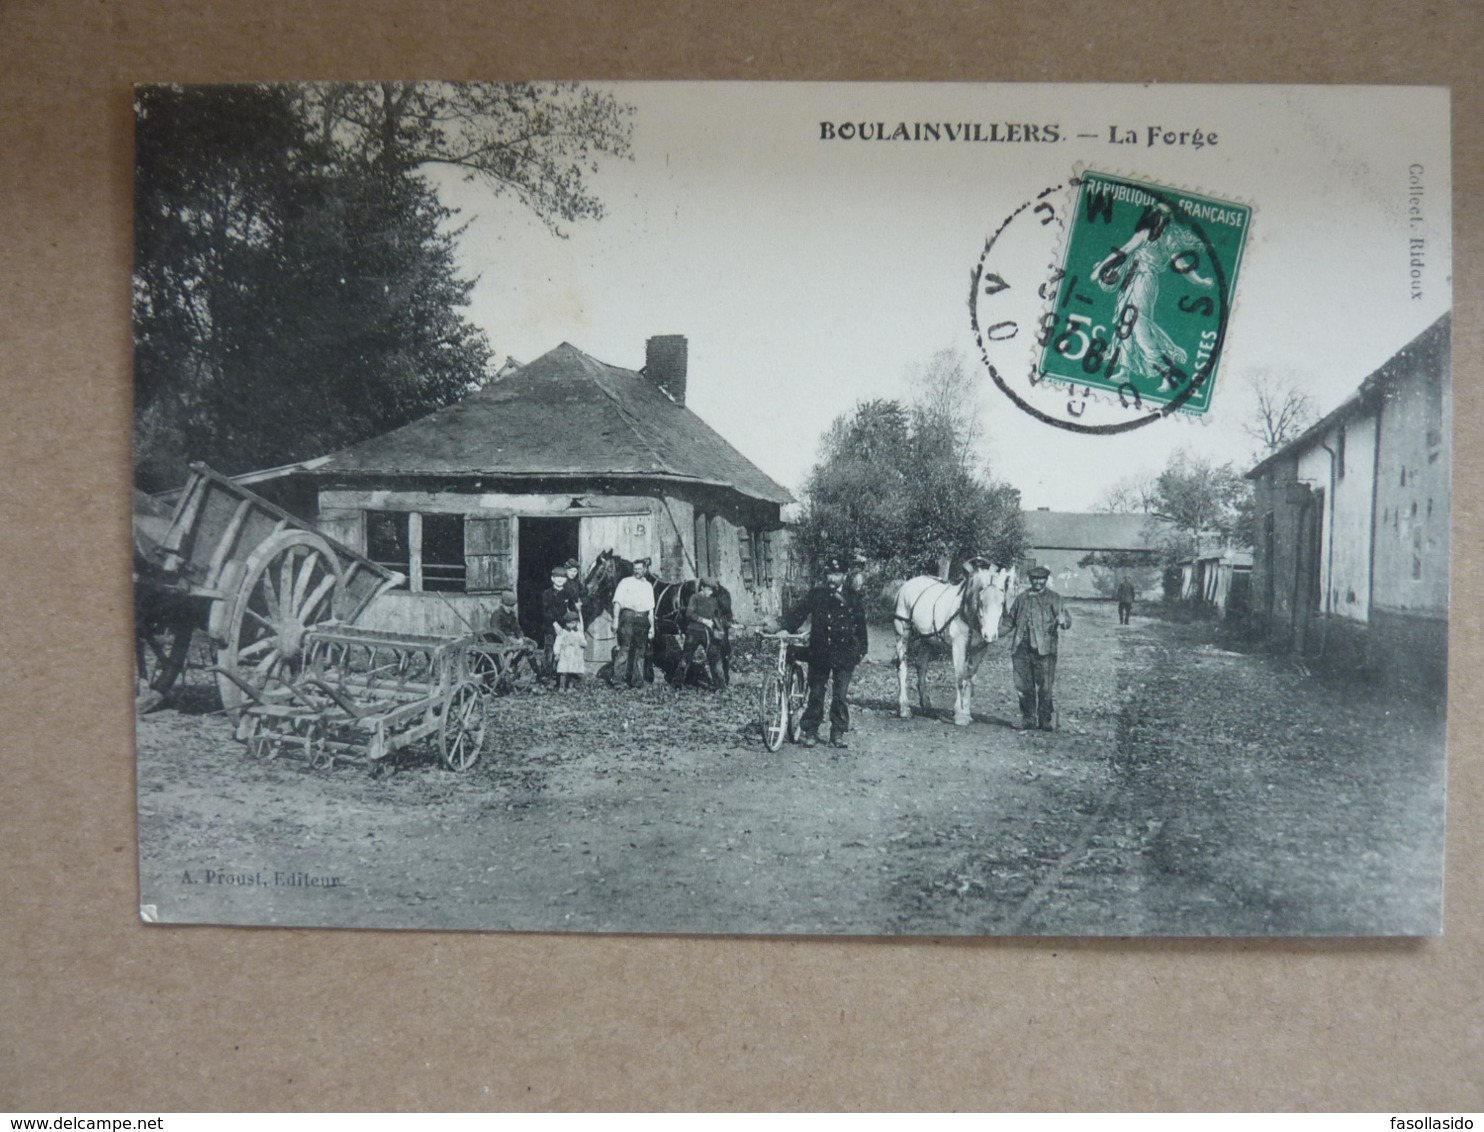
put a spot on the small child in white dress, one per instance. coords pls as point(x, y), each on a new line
point(569, 646)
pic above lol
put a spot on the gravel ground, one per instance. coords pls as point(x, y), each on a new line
point(1191, 790)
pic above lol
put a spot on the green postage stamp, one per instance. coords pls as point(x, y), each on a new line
point(1143, 293)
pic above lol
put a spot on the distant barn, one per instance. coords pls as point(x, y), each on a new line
point(1090, 552)
point(564, 457)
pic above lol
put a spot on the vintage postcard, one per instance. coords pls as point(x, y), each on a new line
point(793, 508)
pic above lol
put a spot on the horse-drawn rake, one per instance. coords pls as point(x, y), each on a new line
point(361, 696)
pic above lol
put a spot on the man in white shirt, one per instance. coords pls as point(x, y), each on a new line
point(633, 613)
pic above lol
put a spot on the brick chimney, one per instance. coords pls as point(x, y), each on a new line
point(664, 364)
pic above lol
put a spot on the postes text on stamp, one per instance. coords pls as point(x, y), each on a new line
point(1142, 293)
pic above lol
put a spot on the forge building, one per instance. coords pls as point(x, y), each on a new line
point(564, 457)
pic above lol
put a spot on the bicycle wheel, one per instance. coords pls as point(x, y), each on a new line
point(774, 711)
point(798, 700)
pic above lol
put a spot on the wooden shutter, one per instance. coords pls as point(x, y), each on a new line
point(704, 567)
point(744, 550)
point(489, 553)
point(766, 538)
point(344, 525)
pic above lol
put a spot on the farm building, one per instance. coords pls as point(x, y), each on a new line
point(1220, 577)
point(1352, 548)
point(1089, 553)
point(564, 457)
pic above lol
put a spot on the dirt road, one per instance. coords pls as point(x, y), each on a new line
point(1190, 790)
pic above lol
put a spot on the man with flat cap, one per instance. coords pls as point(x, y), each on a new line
point(837, 643)
point(633, 616)
point(1031, 625)
point(703, 633)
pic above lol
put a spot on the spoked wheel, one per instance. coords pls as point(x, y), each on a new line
point(288, 586)
point(461, 736)
point(774, 710)
point(798, 700)
point(485, 668)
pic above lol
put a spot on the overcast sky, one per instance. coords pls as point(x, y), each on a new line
point(810, 274)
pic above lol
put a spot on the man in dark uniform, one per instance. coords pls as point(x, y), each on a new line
point(837, 643)
point(1031, 626)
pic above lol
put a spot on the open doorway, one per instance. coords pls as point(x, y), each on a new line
point(543, 543)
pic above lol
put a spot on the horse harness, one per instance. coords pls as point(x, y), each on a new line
point(938, 634)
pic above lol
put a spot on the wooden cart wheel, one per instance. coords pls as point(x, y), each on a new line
point(461, 734)
point(485, 668)
point(289, 584)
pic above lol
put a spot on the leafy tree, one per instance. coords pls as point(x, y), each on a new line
point(901, 483)
point(1203, 503)
point(532, 140)
point(296, 287)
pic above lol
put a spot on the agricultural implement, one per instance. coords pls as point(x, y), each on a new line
point(280, 602)
point(256, 578)
point(360, 696)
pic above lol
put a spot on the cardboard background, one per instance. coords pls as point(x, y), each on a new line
point(99, 1012)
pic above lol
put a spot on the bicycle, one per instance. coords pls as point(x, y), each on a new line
point(784, 694)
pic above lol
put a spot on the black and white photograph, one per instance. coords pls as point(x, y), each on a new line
point(801, 509)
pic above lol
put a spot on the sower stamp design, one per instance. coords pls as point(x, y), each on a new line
point(1147, 276)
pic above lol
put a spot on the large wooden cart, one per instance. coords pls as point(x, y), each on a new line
point(256, 578)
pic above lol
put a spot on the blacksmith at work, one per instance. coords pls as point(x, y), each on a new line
point(633, 614)
point(1031, 626)
point(837, 643)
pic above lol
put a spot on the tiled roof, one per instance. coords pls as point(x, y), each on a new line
point(564, 415)
point(1090, 530)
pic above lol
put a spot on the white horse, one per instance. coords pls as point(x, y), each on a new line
point(966, 616)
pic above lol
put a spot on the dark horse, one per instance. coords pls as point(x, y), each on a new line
point(670, 624)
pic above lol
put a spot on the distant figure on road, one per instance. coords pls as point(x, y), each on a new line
point(1031, 627)
point(1125, 596)
point(837, 643)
